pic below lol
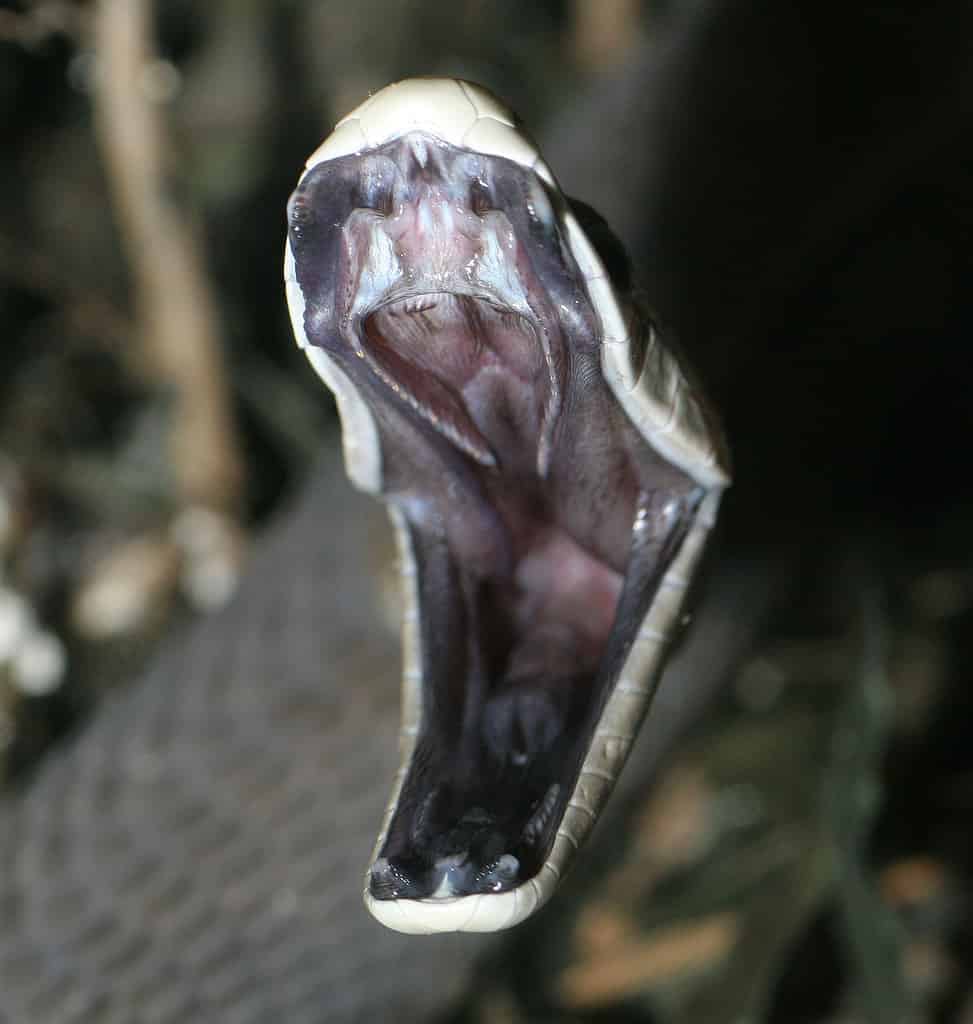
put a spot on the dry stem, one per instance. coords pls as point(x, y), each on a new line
point(175, 308)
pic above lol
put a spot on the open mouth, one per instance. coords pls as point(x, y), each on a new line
point(538, 522)
point(519, 589)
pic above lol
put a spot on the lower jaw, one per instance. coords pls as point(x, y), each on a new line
point(518, 658)
point(496, 756)
point(503, 734)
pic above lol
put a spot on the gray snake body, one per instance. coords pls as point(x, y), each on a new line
point(196, 855)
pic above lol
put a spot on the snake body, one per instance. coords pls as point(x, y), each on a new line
point(196, 854)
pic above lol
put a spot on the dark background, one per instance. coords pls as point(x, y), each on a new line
point(793, 182)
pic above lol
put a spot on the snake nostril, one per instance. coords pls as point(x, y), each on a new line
point(375, 188)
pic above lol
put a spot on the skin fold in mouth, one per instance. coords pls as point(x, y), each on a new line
point(537, 521)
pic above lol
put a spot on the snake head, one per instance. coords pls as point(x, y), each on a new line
point(551, 471)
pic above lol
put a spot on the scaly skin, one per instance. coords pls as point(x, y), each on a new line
point(196, 853)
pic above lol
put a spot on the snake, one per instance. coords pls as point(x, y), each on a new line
point(194, 852)
point(551, 470)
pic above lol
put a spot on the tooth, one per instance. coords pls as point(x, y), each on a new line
point(423, 814)
point(540, 818)
point(503, 871)
point(389, 881)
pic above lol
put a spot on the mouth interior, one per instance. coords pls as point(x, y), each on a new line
point(521, 589)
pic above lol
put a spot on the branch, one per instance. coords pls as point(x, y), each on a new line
point(176, 312)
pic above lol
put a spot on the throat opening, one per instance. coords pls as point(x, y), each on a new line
point(511, 680)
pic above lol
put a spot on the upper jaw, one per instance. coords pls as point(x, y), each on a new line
point(387, 260)
point(410, 298)
point(430, 242)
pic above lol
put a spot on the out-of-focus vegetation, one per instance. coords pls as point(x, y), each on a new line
point(798, 197)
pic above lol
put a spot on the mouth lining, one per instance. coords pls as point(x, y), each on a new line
point(519, 656)
point(443, 352)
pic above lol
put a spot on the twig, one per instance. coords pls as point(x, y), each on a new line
point(873, 934)
point(88, 312)
point(603, 32)
point(175, 308)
